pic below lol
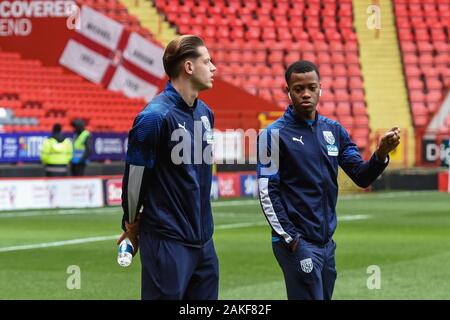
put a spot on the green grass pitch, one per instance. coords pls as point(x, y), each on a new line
point(405, 234)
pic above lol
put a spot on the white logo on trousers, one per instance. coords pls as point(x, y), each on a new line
point(306, 265)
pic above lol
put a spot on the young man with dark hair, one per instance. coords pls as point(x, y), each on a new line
point(298, 191)
point(175, 228)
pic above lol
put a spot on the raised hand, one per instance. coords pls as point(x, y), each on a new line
point(388, 143)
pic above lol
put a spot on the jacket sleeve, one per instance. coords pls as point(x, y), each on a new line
point(45, 151)
point(69, 150)
point(87, 148)
point(143, 140)
point(350, 160)
point(269, 185)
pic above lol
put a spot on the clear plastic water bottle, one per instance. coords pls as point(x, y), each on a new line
point(125, 253)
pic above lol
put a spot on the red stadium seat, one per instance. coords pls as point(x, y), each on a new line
point(326, 109)
point(359, 108)
point(343, 109)
point(415, 84)
point(416, 96)
point(422, 71)
point(340, 83)
point(355, 83)
point(434, 84)
point(339, 70)
point(346, 121)
point(321, 46)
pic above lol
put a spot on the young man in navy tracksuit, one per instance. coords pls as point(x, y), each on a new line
point(298, 159)
point(168, 173)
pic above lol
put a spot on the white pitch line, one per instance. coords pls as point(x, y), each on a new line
point(39, 213)
point(58, 243)
point(115, 237)
point(240, 225)
point(353, 217)
point(234, 203)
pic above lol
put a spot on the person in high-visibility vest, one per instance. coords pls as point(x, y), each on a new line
point(56, 153)
point(81, 148)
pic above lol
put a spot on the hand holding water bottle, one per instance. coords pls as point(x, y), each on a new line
point(129, 243)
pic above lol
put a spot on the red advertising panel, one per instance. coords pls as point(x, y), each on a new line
point(443, 182)
point(114, 192)
point(229, 185)
point(37, 29)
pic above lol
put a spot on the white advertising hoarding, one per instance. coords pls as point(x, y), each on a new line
point(51, 193)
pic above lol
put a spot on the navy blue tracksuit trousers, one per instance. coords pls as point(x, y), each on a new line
point(310, 271)
point(174, 271)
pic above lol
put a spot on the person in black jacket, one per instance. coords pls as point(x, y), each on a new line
point(82, 148)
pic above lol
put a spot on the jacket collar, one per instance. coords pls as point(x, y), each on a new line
point(177, 98)
point(291, 117)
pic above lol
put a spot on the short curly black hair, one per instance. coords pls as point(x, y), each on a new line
point(301, 66)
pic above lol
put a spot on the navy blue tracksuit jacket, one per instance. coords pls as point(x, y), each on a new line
point(298, 189)
point(175, 196)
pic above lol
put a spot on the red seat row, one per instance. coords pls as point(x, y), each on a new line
point(252, 43)
point(422, 28)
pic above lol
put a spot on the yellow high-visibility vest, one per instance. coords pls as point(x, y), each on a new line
point(54, 152)
point(79, 146)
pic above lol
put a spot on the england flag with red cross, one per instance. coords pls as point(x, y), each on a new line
point(104, 51)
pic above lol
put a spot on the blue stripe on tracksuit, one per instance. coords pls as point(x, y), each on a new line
point(298, 193)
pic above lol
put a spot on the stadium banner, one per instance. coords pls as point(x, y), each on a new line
point(111, 146)
point(224, 185)
point(104, 51)
point(228, 147)
point(89, 64)
point(113, 187)
point(26, 147)
point(37, 29)
point(131, 85)
point(249, 185)
point(434, 152)
point(99, 28)
point(17, 16)
point(21, 147)
point(113, 192)
point(229, 185)
point(51, 193)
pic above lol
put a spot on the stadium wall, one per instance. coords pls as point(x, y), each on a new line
point(408, 179)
